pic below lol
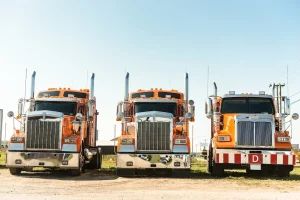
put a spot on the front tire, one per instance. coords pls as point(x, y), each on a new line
point(15, 171)
point(81, 164)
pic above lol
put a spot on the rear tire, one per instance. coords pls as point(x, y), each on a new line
point(209, 159)
point(15, 171)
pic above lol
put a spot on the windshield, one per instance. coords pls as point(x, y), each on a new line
point(68, 108)
point(162, 107)
point(247, 105)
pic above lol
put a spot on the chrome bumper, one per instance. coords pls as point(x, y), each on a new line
point(42, 159)
point(155, 161)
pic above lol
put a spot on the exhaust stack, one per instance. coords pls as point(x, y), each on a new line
point(32, 85)
point(92, 86)
point(216, 89)
point(186, 95)
point(126, 87)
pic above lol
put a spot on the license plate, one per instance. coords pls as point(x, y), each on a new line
point(255, 167)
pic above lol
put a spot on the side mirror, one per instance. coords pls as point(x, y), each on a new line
point(20, 107)
point(287, 106)
point(91, 104)
point(120, 112)
point(188, 115)
point(191, 108)
point(10, 114)
point(295, 116)
point(208, 108)
point(79, 116)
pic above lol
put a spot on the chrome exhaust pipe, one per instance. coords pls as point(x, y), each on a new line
point(32, 85)
point(186, 95)
point(126, 96)
point(216, 89)
point(92, 86)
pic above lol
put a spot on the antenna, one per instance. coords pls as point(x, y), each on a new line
point(287, 80)
point(207, 80)
point(87, 78)
point(25, 91)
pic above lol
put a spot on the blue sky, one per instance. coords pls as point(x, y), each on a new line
point(246, 44)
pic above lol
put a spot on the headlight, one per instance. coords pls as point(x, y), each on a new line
point(16, 139)
point(127, 141)
point(180, 141)
point(224, 138)
point(284, 139)
point(70, 140)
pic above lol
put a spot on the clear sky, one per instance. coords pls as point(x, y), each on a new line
point(246, 44)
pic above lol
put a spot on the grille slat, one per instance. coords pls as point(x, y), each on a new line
point(42, 134)
point(254, 133)
point(153, 136)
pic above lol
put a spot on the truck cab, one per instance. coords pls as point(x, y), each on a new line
point(248, 131)
point(58, 131)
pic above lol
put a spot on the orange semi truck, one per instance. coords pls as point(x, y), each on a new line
point(155, 131)
point(248, 131)
point(58, 131)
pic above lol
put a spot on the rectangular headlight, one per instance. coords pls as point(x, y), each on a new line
point(180, 141)
point(127, 141)
point(16, 139)
point(224, 138)
point(284, 139)
point(70, 140)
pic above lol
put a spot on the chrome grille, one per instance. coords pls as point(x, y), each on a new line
point(153, 136)
point(254, 133)
point(43, 134)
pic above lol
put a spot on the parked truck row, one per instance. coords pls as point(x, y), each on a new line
point(248, 131)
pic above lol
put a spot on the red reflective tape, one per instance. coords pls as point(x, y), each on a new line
point(217, 158)
point(294, 159)
point(273, 159)
point(237, 158)
point(285, 159)
point(225, 158)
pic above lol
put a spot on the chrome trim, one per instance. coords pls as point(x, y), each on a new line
point(155, 101)
point(33, 159)
point(45, 113)
point(141, 161)
point(16, 146)
point(69, 147)
point(59, 139)
point(254, 118)
point(65, 99)
point(127, 148)
point(153, 114)
point(180, 149)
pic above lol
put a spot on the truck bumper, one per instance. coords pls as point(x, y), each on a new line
point(158, 161)
point(42, 159)
point(254, 160)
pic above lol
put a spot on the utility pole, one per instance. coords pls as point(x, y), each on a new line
point(5, 135)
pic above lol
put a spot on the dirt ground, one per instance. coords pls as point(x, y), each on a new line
point(101, 185)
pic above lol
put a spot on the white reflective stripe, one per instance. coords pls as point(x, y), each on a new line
point(231, 158)
point(279, 159)
point(244, 158)
point(291, 160)
point(221, 160)
point(266, 158)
